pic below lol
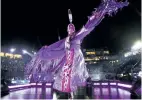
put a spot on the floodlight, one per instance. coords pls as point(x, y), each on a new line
point(12, 50)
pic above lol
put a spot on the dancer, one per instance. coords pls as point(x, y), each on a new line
point(63, 61)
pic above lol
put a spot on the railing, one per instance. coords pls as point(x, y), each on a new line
point(93, 83)
point(126, 86)
point(18, 87)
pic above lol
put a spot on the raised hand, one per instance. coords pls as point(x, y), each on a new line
point(112, 6)
point(106, 7)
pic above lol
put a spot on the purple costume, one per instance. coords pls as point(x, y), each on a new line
point(49, 64)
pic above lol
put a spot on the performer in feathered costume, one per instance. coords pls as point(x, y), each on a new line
point(63, 61)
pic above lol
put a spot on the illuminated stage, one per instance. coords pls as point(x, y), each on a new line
point(100, 90)
point(41, 93)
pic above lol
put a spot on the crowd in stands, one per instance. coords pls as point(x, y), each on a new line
point(12, 68)
point(126, 68)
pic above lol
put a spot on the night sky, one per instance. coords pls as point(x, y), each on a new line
point(33, 24)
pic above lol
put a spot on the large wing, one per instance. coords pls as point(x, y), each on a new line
point(106, 7)
point(45, 57)
point(52, 51)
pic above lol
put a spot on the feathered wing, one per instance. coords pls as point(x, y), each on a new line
point(106, 7)
point(45, 57)
point(52, 51)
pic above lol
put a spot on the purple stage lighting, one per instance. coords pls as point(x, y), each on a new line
point(18, 86)
point(112, 83)
point(124, 85)
point(96, 83)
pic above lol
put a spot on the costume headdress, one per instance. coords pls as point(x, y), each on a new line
point(71, 27)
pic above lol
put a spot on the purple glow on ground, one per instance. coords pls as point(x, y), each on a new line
point(111, 93)
point(30, 93)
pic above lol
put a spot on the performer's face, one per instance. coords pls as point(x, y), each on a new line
point(72, 34)
point(71, 29)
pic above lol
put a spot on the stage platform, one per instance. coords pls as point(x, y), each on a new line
point(101, 90)
point(46, 93)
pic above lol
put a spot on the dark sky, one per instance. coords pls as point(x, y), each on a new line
point(32, 24)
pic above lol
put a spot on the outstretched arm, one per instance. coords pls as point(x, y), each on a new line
point(106, 7)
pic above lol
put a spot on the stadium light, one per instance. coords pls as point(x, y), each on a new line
point(34, 52)
point(12, 50)
point(137, 45)
point(24, 51)
point(140, 74)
